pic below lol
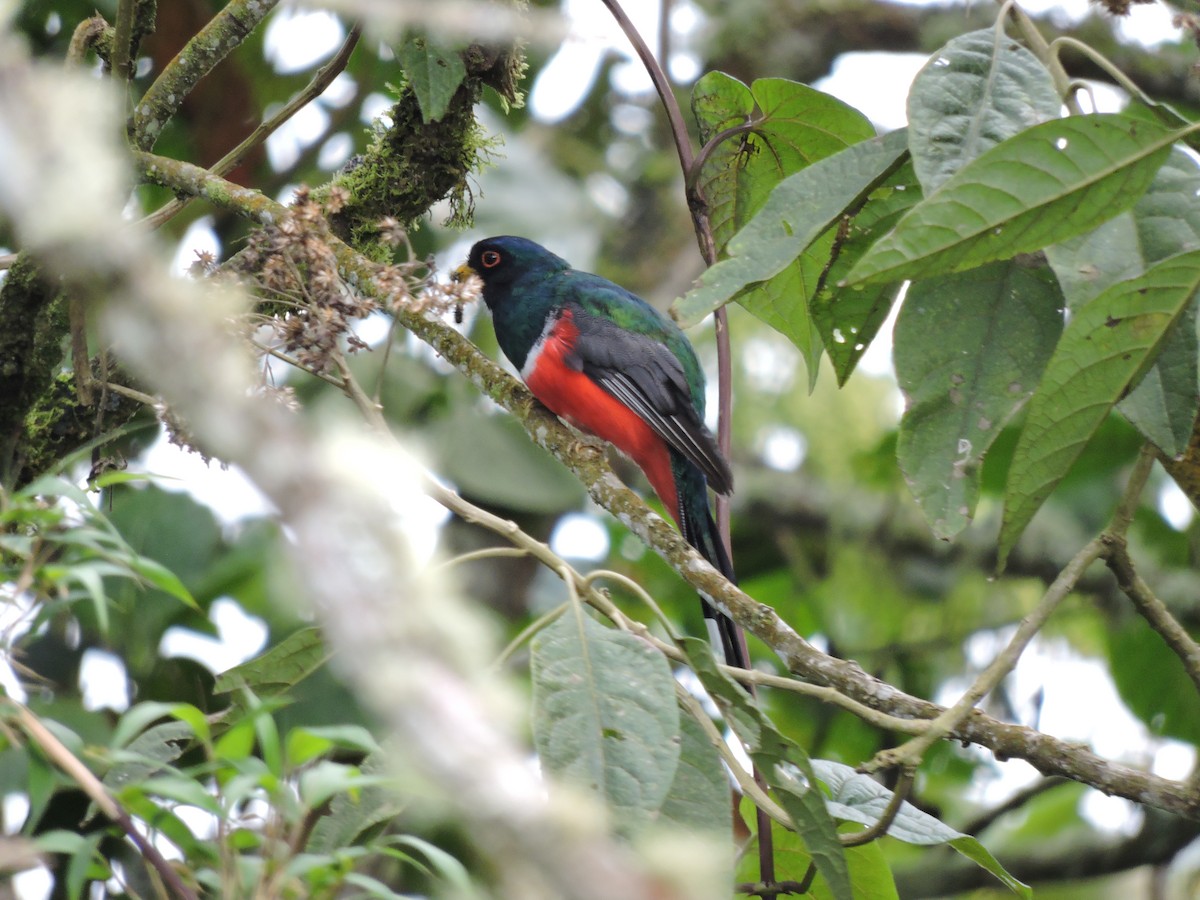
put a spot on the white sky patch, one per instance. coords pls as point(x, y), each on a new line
point(782, 448)
point(226, 491)
point(340, 91)
point(1174, 506)
point(297, 39)
point(374, 105)
point(593, 34)
point(16, 809)
point(875, 83)
point(335, 151)
point(198, 238)
point(579, 536)
point(103, 681)
point(769, 362)
point(297, 133)
point(240, 637)
point(33, 884)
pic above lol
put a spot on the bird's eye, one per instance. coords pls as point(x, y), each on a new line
point(490, 259)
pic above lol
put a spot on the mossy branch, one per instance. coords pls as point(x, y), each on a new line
point(1049, 755)
point(200, 56)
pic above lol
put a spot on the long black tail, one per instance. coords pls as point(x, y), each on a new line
point(700, 530)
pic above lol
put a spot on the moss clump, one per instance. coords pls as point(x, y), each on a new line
point(413, 164)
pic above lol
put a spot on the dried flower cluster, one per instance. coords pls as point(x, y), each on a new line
point(295, 267)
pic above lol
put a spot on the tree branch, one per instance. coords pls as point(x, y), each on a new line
point(213, 43)
point(1049, 755)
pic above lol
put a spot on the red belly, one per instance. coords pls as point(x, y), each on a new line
point(573, 396)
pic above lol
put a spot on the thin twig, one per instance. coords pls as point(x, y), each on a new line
point(1150, 607)
point(320, 81)
point(880, 827)
point(752, 790)
point(911, 752)
point(986, 819)
point(122, 40)
point(90, 785)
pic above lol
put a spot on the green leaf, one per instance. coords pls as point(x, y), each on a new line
point(149, 754)
point(698, 799)
point(605, 717)
point(1164, 222)
point(1089, 263)
point(282, 667)
point(164, 579)
point(860, 798)
point(1106, 345)
point(968, 350)
point(352, 815)
point(798, 210)
point(1164, 404)
point(977, 91)
point(325, 779)
point(849, 318)
point(305, 744)
point(870, 875)
point(434, 73)
point(782, 762)
point(1152, 682)
point(491, 459)
point(794, 125)
point(1049, 183)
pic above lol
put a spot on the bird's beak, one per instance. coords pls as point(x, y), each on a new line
point(462, 273)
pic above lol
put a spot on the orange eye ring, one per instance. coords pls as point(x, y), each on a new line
point(490, 259)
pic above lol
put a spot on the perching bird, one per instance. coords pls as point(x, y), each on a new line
point(612, 365)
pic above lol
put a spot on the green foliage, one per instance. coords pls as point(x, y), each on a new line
point(1047, 266)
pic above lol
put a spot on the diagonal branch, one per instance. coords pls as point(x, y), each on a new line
point(1049, 755)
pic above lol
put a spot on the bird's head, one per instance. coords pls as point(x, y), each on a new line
point(501, 261)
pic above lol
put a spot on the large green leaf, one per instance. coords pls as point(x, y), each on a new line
point(782, 762)
point(1153, 682)
point(1049, 183)
point(1165, 221)
point(605, 716)
point(860, 798)
point(1106, 345)
point(977, 91)
point(1164, 404)
point(799, 209)
point(968, 350)
point(849, 318)
point(698, 799)
point(794, 125)
point(870, 874)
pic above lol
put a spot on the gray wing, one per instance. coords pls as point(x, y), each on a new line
point(647, 377)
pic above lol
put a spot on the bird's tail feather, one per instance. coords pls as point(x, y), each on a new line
point(700, 530)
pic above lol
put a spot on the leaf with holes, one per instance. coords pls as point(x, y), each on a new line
point(968, 350)
point(1049, 183)
point(849, 318)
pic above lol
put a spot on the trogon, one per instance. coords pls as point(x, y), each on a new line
point(612, 365)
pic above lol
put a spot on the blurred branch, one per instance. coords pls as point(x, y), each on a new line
point(987, 818)
point(213, 43)
point(416, 663)
point(1049, 755)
